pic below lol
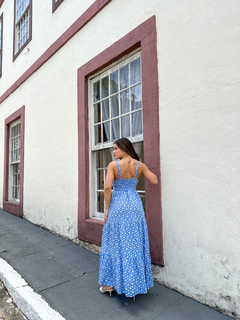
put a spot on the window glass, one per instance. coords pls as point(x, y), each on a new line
point(115, 112)
point(22, 23)
point(14, 163)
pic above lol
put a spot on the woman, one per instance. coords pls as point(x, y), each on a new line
point(125, 262)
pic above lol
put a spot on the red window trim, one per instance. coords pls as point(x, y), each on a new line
point(55, 5)
point(144, 37)
point(13, 207)
point(16, 54)
point(1, 50)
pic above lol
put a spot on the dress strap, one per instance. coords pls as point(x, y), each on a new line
point(136, 169)
point(119, 169)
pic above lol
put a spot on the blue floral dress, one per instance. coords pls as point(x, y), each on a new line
point(125, 261)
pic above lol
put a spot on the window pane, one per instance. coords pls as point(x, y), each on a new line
point(16, 192)
point(124, 82)
point(16, 142)
point(114, 106)
point(115, 129)
point(138, 146)
point(105, 87)
point(96, 91)
point(124, 100)
point(106, 131)
point(114, 82)
point(14, 180)
point(97, 113)
point(100, 179)
point(97, 130)
point(125, 126)
point(99, 159)
point(18, 154)
point(105, 109)
point(136, 97)
point(108, 156)
point(100, 202)
point(135, 70)
point(136, 123)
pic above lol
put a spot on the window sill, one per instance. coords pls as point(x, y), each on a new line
point(92, 231)
point(15, 208)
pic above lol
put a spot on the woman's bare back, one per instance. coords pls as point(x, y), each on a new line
point(128, 169)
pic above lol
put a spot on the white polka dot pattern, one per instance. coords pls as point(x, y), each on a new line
point(125, 262)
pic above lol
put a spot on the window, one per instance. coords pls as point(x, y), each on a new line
point(56, 4)
point(116, 112)
point(91, 140)
point(1, 42)
point(23, 25)
point(14, 163)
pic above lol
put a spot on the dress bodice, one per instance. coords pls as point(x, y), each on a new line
point(125, 184)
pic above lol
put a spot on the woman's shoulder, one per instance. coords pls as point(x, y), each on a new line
point(112, 164)
point(142, 166)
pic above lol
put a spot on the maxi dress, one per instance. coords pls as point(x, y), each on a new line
point(125, 261)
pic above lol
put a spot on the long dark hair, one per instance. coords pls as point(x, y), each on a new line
point(126, 145)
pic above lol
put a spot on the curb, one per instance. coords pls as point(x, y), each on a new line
point(31, 303)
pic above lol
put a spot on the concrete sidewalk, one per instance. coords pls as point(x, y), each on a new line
point(66, 276)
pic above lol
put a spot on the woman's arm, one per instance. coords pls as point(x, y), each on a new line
point(108, 188)
point(151, 177)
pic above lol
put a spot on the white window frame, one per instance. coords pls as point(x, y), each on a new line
point(93, 214)
point(18, 34)
point(12, 163)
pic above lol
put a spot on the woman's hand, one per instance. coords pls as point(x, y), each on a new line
point(105, 215)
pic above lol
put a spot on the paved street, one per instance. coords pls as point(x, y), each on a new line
point(8, 310)
point(64, 277)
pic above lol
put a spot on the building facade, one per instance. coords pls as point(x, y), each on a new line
point(76, 76)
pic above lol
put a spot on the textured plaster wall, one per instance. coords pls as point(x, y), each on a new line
point(198, 64)
point(199, 75)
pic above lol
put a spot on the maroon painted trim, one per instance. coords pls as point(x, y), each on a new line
point(1, 2)
point(91, 12)
point(55, 5)
point(16, 54)
point(144, 37)
point(1, 49)
point(13, 207)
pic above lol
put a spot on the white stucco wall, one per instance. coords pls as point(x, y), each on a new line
point(198, 63)
point(46, 28)
point(199, 73)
